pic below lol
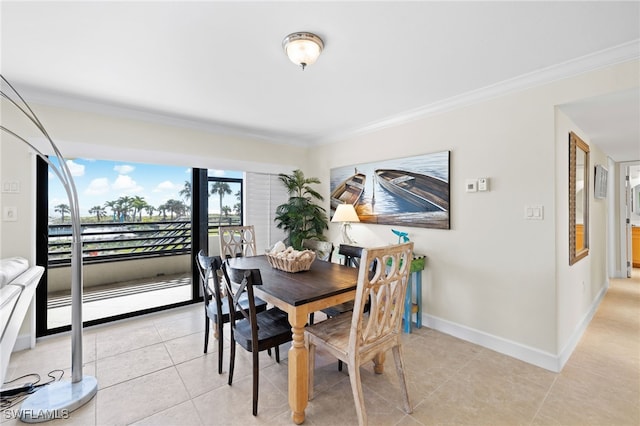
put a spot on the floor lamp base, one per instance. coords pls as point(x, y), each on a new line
point(57, 400)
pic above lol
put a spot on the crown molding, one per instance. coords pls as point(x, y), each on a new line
point(622, 53)
point(607, 57)
point(53, 98)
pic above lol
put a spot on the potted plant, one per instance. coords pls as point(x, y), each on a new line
point(300, 216)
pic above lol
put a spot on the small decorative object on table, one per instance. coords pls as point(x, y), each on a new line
point(289, 259)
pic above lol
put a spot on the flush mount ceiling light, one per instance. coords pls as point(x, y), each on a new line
point(302, 48)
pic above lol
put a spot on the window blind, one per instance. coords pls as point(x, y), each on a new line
point(263, 193)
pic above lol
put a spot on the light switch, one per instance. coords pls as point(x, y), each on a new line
point(534, 212)
point(10, 214)
point(12, 186)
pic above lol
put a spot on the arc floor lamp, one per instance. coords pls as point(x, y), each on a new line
point(58, 399)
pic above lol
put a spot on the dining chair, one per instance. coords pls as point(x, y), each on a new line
point(237, 241)
point(352, 256)
point(357, 337)
point(322, 249)
point(216, 307)
point(254, 331)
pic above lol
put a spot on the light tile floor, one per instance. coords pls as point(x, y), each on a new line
point(151, 371)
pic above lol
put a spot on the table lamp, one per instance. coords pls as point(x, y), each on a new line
point(346, 214)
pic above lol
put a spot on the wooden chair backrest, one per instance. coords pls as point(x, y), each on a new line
point(385, 286)
point(323, 249)
point(237, 241)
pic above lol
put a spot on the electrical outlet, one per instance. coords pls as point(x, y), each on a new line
point(10, 214)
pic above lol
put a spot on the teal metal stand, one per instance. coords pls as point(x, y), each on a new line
point(415, 274)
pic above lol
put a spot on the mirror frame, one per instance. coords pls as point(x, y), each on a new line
point(577, 253)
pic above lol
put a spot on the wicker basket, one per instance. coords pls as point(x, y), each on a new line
point(298, 264)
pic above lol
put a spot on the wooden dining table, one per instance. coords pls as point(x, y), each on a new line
point(298, 294)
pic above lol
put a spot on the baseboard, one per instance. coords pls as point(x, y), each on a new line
point(23, 341)
point(525, 353)
point(575, 337)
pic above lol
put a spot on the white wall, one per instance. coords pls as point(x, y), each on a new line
point(580, 286)
point(495, 278)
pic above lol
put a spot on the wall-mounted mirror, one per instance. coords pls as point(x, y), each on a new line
point(578, 198)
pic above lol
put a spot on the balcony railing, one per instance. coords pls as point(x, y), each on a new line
point(108, 241)
point(123, 240)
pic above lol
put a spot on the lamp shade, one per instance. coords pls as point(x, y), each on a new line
point(302, 48)
point(345, 213)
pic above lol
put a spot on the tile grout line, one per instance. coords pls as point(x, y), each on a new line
point(546, 395)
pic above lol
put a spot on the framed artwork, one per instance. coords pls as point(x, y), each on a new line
point(601, 175)
point(412, 191)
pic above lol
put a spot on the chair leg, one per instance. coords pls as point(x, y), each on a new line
point(269, 351)
point(232, 360)
point(220, 343)
point(358, 397)
point(339, 365)
point(277, 350)
point(311, 317)
point(206, 333)
point(256, 372)
point(312, 367)
point(397, 356)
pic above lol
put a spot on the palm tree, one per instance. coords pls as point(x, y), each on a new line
point(113, 205)
point(138, 204)
point(185, 192)
point(99, 211)
point(176, 207)
point(300, 216)
point(226, 210)
point(62, 209)
point(124, 206)
point(162, 208)
point(150, 209)
point(220, 188)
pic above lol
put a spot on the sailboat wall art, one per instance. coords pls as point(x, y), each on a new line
point(411, 191)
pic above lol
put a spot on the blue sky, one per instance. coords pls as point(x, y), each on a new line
point(100, 181)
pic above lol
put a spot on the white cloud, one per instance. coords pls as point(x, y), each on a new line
point(98, 186)
point(123, 169)
point(75, 168)
point(167, 185)
point(125, 184)
point(216, 172)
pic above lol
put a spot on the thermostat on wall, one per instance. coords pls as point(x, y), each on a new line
point(471, 185)
point(483, 184)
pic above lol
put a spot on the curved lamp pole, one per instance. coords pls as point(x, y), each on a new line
point(60, 398)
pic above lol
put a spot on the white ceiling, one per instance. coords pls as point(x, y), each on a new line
point(220, 65)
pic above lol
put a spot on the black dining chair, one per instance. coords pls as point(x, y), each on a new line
point(216, 308)
point(254, 331)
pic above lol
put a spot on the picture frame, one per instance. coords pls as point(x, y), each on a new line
point(601, 175)
point(411, 191)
